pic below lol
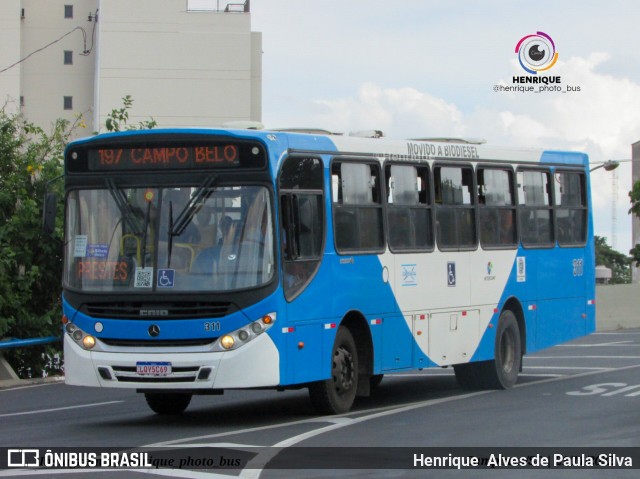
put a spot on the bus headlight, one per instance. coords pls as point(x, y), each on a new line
point(242, 336)
point(88, 342)
point(82, 339)
point(227, 342)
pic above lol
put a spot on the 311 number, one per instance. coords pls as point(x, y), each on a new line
point(578, 267)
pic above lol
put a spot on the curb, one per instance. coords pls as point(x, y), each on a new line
point(14, 383)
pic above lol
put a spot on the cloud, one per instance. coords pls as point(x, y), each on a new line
point(600, 119)
point(399, 112)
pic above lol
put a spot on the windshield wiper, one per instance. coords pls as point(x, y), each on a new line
point(123, 205)
point(187, 213)
point(189, 210)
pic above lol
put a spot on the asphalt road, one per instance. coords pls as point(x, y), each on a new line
point(585, 393)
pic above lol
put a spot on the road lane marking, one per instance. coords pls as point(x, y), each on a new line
point(617, 344)
point(42, 411)
point(581, 357)
point(577, 368)
point(605, 333)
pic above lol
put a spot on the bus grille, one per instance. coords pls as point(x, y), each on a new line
point(155, 343)
point(140, 310)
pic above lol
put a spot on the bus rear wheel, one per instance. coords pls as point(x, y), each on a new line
point(501, 372)
point(168, 403)
point(504, 369)
point(336, 394)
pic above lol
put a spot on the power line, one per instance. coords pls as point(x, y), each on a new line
point(85, 51)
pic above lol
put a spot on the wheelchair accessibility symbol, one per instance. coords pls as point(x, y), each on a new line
point(165, 278)
point(451, 273)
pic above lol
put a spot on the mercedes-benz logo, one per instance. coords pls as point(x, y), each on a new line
point(154, 330)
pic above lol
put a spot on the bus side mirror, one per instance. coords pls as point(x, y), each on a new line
point(49, 213)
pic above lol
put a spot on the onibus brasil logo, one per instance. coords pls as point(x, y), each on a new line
point(537, 53)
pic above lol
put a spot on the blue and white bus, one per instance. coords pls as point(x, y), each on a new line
point(198, 261)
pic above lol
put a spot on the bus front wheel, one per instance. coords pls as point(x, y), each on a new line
point(336, 394)
point(168, 403)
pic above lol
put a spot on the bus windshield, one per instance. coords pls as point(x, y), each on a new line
point(198, 238)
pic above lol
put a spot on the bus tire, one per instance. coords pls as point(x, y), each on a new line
point(375, 381)
point(502, 372)
point(336, 394)
point(470, 375)
point(168, 403)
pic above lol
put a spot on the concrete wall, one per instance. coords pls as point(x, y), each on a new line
point(45, 79)
point(183, 68)
point(10, 54)
point(617, 306)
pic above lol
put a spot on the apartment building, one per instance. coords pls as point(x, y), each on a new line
point(184, 62)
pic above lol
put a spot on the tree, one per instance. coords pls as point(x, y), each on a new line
point(30, 264)
point(617, 262)
point(118, 119)
point(634, 196)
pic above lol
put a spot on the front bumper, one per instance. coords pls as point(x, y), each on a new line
point(256, 364)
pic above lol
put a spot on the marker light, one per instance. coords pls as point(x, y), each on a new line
point(245, 334)
point(256, 327)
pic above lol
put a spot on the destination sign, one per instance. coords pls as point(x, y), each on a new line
point(187, 157)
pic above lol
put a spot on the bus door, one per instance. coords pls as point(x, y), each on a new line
point(304, 275)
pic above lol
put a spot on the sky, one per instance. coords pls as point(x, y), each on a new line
point(427, 68)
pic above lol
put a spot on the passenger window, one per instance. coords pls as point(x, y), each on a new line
point(571, 208)
point(455, 207)
point(497, 206)
point(535, 208)
point(357, 204)
point(409, 208)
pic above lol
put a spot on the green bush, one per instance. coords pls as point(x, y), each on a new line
point(30, 262)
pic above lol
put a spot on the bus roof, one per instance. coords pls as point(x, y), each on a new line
point(323, 142)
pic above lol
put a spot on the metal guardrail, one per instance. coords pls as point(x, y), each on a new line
point(6, 371)
point(20, 343)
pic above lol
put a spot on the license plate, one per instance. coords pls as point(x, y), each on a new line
point(153, 369)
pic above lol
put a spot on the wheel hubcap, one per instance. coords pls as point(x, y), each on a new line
point(507, 351)
point(342, 371)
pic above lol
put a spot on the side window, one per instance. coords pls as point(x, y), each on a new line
point(497, 207)
point(357, 207)
point(455, 208)
point(571, 208)
point(534, 199)
point(409, 208)
point(302, 221)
